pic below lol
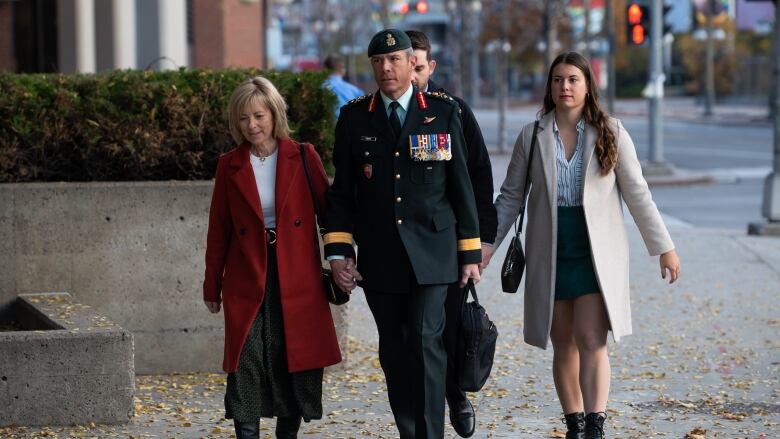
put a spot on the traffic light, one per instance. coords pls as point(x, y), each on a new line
point(421, 7)
point(637, 23)
point(667, 26)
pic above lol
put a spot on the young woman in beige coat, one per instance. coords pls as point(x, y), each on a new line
point(577, 289)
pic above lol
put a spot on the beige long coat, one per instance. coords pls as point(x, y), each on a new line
point(603, 214)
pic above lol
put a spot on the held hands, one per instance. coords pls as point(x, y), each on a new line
point(671, 263)
point(345, 274)
point(469, 271)
point(487, 253)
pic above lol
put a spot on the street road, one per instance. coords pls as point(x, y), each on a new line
point(738, 157)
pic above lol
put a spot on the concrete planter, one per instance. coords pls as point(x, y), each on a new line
point(133, 251)
point(66, 365)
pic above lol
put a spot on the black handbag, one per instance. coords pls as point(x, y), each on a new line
point(514, 261)
point(334, 294)
point(477, 347)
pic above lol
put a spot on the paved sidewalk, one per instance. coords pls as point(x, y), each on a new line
point(687, 109)
point(705, 357)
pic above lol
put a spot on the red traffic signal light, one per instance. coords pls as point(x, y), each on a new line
point(637, 35)
point(634, 14)
point(638, 23)
point(421, 7)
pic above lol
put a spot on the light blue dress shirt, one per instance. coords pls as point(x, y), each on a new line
point(403, 101)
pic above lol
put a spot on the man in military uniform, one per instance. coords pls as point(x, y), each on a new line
point(462, 414)
point(402, 192)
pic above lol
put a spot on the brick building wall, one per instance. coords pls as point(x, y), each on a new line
point(228, 33)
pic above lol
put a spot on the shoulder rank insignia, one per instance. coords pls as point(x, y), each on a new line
point(440, 95)
point(359, 99)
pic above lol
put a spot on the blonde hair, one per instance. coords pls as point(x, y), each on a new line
point(262, 91)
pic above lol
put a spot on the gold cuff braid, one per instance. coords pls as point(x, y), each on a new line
point(337, 238)
point(465, 245)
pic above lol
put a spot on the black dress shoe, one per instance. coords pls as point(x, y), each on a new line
point(462, 415)
point(247, 430)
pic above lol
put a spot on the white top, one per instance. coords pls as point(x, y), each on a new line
point(265, 177)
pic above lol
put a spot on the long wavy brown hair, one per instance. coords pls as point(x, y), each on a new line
point(606, 145)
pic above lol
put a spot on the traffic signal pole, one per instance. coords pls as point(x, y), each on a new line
point(610, 26)
point(656, 164)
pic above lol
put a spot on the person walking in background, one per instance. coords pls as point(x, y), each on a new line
point(577, 287)
point(462, 414)
point(336, 83)
point(262, 265)
point(402, 189)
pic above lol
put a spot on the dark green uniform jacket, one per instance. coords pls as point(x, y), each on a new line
point(413, 221)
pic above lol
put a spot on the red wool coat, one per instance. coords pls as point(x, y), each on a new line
point(236, 258)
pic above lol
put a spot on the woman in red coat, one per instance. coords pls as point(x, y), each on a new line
point(263, 266)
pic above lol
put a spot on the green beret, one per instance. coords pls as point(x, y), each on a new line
point(388, 40)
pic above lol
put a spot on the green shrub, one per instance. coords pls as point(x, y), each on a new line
point(139, 125)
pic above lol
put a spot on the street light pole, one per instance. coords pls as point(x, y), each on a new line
point(586, 29)
point(709, 62)
point(503, 77)
point(550, 32)
point(770, 208)
point(475, 8)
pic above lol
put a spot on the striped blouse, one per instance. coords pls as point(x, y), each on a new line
point(569, 172)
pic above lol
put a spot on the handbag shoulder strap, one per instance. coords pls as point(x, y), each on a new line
point(311, 185)
point(519, 228)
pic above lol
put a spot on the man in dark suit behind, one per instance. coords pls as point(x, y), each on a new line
point(401, 190)
point(462, 414)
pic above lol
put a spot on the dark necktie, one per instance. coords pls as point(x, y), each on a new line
point(395, 122)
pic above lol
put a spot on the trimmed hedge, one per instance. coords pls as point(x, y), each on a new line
point(132, 125)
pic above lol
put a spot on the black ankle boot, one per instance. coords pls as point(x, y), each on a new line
point(247, 430)
point(594, 425)
point(287, 428)
point(575, 424)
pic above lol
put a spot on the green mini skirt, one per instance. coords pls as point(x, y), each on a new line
point(574, 274)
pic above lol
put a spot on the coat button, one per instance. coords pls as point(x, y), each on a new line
point(397, 153)
point(400, 221)
point(366, 153)
point(397, 176)
point(297, 222)
point(242, 232)
point(398, 199)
